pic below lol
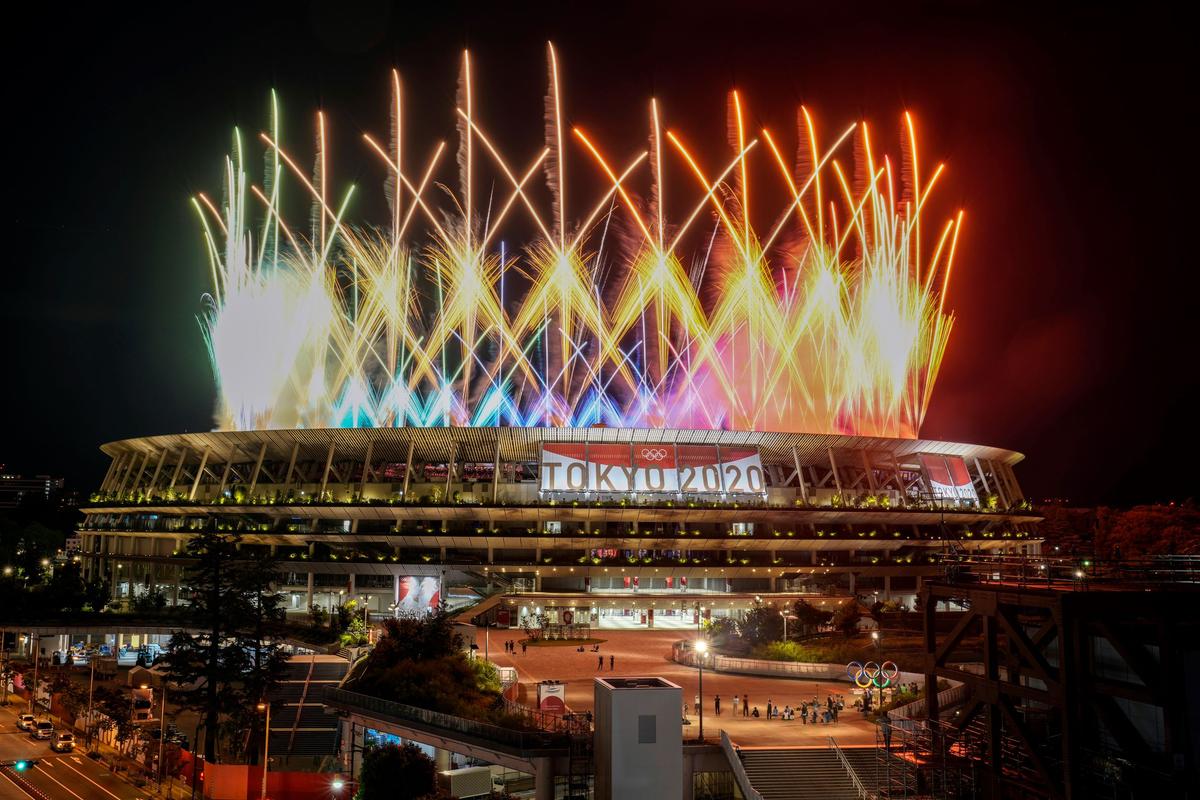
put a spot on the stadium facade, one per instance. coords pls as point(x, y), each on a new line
point(609, 527)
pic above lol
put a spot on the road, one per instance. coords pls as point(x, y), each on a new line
point(66, 776)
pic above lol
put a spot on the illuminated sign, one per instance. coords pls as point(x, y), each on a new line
point(948, 477)
point(418, 596)
point(608, 468)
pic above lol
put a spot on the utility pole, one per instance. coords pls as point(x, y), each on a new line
point(91, 690)
point(162, 732)
point(35, 641)
point(266, 706)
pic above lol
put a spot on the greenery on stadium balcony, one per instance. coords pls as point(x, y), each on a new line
point(238, 496)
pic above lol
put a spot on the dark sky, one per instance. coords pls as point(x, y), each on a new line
point(1069, 137)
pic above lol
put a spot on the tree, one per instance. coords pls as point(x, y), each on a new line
point(117, 707)
point(71, 695)
point(421, 662)
point(809, 616)
point(761, 624)
point(226, 652)
point(352, 624)
point(846, 617)
point(150, 602)
point(396, 772)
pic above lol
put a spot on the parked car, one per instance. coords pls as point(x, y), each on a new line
point(62, 742)
point(43, 729)
point(25, 722)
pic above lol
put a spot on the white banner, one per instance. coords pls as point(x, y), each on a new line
point(621, 468)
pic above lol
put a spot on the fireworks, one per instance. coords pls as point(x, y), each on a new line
point(630, 309)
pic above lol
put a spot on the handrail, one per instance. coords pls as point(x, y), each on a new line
point(945, 697)
point(858, 785)
point(762, 666)
point(518, 739)
point(739, 769)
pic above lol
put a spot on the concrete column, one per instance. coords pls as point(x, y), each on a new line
point(920, 581)
point(851, 583)
point(353, 591)
point(491, 552)
point(308, 595)
point(689, 779)
point(441, 759)
point(543, 778)
point(887, 587)
point(396, 588)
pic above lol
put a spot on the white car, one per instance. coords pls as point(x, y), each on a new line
point(25, 722)
point(63, 742)
point(42, 730)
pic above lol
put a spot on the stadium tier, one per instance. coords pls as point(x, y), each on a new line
point(596, 525)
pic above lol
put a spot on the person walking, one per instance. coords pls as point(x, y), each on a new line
point(523, 646)
point(717, 704)
point(612, 661)
point(736, 701)
point(600, 663)
point(745, 705)
point(885, 723)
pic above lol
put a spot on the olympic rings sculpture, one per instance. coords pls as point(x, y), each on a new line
point(656, 454)
point(878, 676)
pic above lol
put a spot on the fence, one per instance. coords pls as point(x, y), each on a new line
point(784, 669)
point(946, 697)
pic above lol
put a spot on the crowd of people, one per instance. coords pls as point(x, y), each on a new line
point(810, 711)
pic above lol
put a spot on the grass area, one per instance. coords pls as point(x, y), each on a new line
point(561, 642)
point(837, 649)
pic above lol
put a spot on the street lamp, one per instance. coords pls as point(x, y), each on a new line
point(701, 649)
point(162, 731)
point(786, 617)
point(266, 747)
point(878, 647)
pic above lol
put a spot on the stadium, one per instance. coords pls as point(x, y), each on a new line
point(606, 527)
point(652, 410)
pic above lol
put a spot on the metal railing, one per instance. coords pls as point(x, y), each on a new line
point(946, 697)
point(739, 769)
point(761, 666)
point(858, 784)
point(522, 740)
point(1065, 573)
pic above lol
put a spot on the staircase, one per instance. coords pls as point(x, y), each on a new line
point(798, 774)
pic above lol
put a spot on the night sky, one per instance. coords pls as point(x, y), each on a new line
point(1070, 140)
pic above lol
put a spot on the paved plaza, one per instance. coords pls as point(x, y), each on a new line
point(648, 653)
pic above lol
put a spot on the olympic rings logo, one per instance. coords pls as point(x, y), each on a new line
point(868, 675)
point(656, 454)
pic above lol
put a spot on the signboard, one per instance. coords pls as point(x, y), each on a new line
point(418, 596)
point(552, 697)
point(948, 477)
point(621, 468)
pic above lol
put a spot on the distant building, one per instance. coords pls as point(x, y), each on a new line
point(17, 490)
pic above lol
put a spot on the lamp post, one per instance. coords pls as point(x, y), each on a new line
point(162, 731)
point(36, 643)
point(91, 691)
point(701, 649)
point(878, 647)
point(786, 617)
point(266, 747)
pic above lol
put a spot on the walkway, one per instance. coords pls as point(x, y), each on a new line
point(644, 653)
